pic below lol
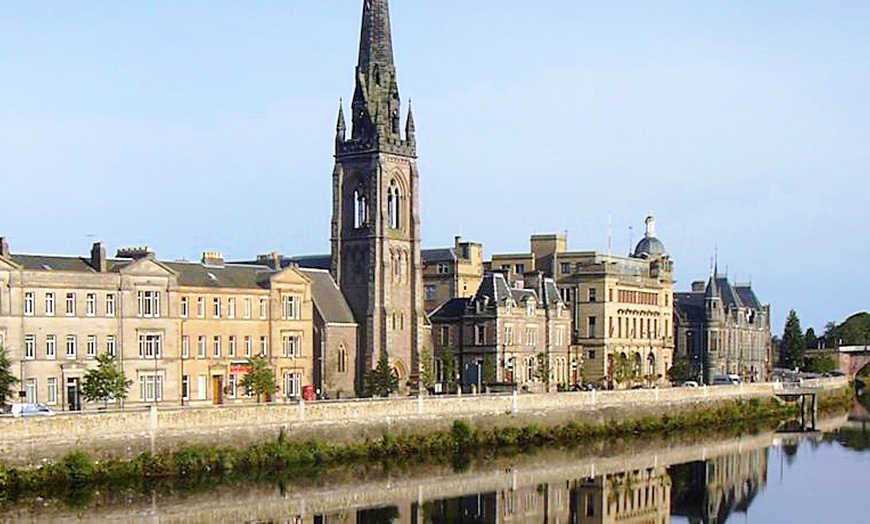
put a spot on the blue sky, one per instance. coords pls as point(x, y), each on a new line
point(200, 125)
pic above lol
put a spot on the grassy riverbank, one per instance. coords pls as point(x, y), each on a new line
point(78, 476)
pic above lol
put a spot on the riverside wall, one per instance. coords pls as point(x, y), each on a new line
point(123, 434)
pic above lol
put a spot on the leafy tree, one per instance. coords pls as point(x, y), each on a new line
point(855, 331)
point(810, 339)
point(106, 382)
point(792, 342)
point(427, 373)
point(382, 380)
point(623, 369)
point(448, 369)
point(260, 378)
point(680, 371)
point(7, 379)
point(542, 370)
point(823, 363)
point(489, 373)
point(832, 335)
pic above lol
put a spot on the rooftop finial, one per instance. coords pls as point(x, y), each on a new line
point(650, 226)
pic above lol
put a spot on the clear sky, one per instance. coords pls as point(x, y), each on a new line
point(209, 125)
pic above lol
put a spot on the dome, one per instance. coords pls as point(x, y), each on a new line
point(649, 246)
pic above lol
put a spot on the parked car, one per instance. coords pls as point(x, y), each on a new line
point(720, 380)
point(690, 384)
point(30, 410)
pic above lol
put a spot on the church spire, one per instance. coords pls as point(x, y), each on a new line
point(376, 41)
point(340, 128)
point(410, 129)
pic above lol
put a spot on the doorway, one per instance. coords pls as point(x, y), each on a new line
point(217, 382)
point(73, 396)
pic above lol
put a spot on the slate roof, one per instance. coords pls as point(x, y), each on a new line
point(552, 297)
point(328, 298)
point(690, 306)
point(730, 298)
point(309, 261)
point(433, 256)
point(195, 274)
point(53, 263)
point(450, 310)
point(494, 286)
point(748, 297)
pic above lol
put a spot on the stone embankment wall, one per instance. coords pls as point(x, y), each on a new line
point(127, 433)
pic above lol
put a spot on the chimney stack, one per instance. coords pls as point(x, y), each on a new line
point(135, 253)
point(213, 259)
point(98, 257)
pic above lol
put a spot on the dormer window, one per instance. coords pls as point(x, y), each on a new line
point(530, 308)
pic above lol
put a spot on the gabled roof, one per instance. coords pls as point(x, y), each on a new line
point(328, 298)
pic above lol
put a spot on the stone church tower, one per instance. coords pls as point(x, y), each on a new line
point(376, 256)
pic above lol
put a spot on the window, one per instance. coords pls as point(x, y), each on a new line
point(342, 360)
point(291, 346)
point(91, 304)
point(431, 292)
point(110, 345)
point(110, 305)
point(30, 347)
point(30, 390)
point(91, 349)
point(360, 211)
point(232, 346)
point(593, 294)
point(49, 304)
point(394, 206)
point(217, 347)
point(231, 386)
point(150, 388)
point(200, 347)
point(248, 307)
point(560, 336)
point(185, 307)
point(520, 269)
point(216, 307)
point(531, 336)
point(249, 346)
point(443, 268)
point(150, 345)
point(291, 307)
point(185, 346)
point(149, 304)
point(591, 354)
point(200, 307)
point(264, 307)
point(610, 294)
point(70, 304)
point(291, 384)
point(480, 335)
point(71, 346)
point(509, 335)
point(444, 335)
point(566, 268)
point(231, 308)
point(50, 346)
point(51, 384)
point(185, 387)
point(592, 326)
point(264, 346)
point(201, 387)
point(29, 303)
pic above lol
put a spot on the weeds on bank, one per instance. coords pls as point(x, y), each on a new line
point(192, 468)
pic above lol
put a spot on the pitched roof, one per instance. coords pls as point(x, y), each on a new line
point(690, 306)
point(450, 310)
point(195, 274)
point(53, 263)
point(748, 297)
point(431, 256)
point(328, 298)
point(309, 261)
point(494, 286)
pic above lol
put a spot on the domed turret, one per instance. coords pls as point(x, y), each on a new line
point(649, 246)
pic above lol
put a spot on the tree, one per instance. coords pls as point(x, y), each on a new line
point(832, 335)
point(382, 380)
point(427, 373)
point(106, 382)
point(448, 369)
point(489, 374)
point(7, 379)
point(623, 369)
point(855, 330)
point(260, 378)
point(542, 370)
point(810, 339)
point(680, 371)
point(823, 363)
point(792, 342)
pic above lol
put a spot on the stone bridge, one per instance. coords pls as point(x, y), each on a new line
point(851, 360)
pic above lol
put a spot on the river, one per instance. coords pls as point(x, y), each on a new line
point(768, 477)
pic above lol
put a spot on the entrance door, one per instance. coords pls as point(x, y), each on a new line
point(218, 389)
point(72, 394)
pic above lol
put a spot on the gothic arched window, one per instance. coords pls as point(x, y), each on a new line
point(394, 206)
point(360, 208)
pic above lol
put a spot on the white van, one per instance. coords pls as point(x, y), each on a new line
point(730, 380)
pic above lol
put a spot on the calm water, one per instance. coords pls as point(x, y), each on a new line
point(764, 478)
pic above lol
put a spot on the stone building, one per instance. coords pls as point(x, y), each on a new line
point(182, 331)
point(723, 329)
point(497, 335)
point(621, 307)
point(451, 273)
point(376, 256)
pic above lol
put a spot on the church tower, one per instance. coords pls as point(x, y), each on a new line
point(376, 256)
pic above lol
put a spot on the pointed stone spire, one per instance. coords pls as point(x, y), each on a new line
point(410, 129)
point(340, 127)
point(376, 41)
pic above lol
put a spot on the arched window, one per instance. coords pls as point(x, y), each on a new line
point(394, 206)
point(342, 359)
point(360, 208)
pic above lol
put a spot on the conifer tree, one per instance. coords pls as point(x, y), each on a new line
point(7, 379)
point(792, 345)
point(382, 380)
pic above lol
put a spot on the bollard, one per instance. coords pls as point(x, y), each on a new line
point(301, 409)
point(515, 408)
